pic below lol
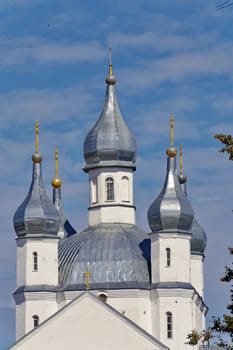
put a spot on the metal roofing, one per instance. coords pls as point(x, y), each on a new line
point(110, 139)
point(37, 214)
point(112, 253)
point(171, 210)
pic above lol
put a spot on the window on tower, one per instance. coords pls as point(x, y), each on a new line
point(35, 321)
point(35, 261)
point(169, 324)
point(109, 188)
point(168, 257)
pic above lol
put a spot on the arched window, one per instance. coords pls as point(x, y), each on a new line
point(35, 261)
point(125, 189)
point(35, 321)
point(168, 256)
point(109, 189)
point(169, 324)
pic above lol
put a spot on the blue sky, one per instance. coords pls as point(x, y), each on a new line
point(169, 57)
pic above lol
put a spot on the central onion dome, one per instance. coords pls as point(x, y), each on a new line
point(110, 141)
point(36, 216)
point(171, 210)
point(113, 254)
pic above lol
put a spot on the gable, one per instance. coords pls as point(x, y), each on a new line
point(87, 323)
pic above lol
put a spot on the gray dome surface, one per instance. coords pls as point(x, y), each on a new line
point(171, 210)
point(199, 238)
point(110, 139)
point(112, 253)
point(37, 214)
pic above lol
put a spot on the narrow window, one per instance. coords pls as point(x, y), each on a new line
point(168, 256)
point(109, 187)
point(35, 321)
point(169, 325)
point(94, 191)
point(35, 261)
point(125, 189)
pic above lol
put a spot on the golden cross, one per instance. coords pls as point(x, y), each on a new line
point(172, 130)
point(110, 61)
point(37, 135)
point(86, 277)
point(181, 159)
point(56, 162)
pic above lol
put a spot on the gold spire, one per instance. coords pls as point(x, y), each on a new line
point(36, 157)
point(181, 159)
point(172, 130)
point(86, 277)
point(110, 61)
point(56, 182)
point(171, 151)
point(37, 136)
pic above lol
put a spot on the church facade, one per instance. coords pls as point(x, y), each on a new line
point(111, 285)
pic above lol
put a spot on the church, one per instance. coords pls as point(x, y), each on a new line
point(112, 285)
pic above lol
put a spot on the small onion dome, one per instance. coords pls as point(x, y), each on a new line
point(199, 238)
point(116, 255)
point(110, 141)
point(171, 210)
point(36, 216)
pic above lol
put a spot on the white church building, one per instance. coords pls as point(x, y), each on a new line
point(111, 286)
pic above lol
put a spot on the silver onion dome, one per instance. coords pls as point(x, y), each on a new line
point(110, 141)
point(114, 254)
point(171, 210)
point(36, 216)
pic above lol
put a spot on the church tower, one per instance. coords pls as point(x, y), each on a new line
point(36, 223)
point(176, 304)
point(110, 154)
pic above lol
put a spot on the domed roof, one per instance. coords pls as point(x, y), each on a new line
point(199, 238)
point(114, 254)
point(36, 216)
point(171, 210)
point(110, 141)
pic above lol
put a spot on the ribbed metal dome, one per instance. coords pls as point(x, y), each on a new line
point(110, 140)
point(36, 216)
point(171, 210)
point(114, 254)
point(199, 239)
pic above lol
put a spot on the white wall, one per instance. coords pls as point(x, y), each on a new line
point(121, 209)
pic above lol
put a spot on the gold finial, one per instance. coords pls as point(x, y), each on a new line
point(172, 130)
point(181, 159)
point(56, 182)
point(37, 136)
point(86, 277)
point(37, 157)
point(110, 61)
point(171, 151)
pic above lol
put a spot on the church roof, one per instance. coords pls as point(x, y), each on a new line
point(110, 141)
point(37, 214)
point(114, 254)
point(98, 326)
point(171, 210)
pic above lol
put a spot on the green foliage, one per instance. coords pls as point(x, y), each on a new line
point(224, 326)
point(194, 337)
point(228, 141)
